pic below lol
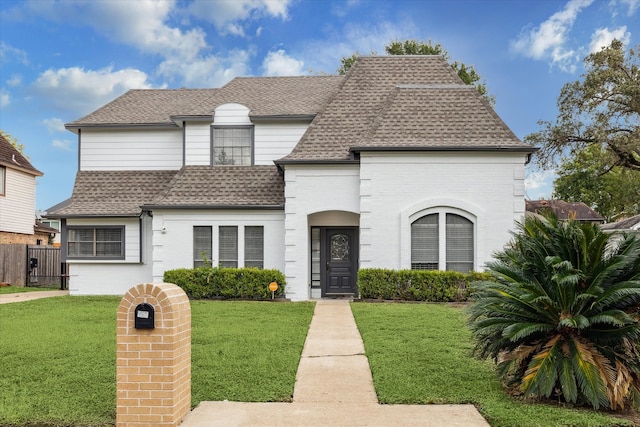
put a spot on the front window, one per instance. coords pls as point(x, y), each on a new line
point(202, 241)
point(98, 242)
point(442, 241)
point(424, 243)
point(254, 246)
point(228, 246)
point(232, 145)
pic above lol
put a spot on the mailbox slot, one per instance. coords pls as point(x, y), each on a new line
point(144, 316)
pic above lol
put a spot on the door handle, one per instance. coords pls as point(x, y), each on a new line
point(327, 267)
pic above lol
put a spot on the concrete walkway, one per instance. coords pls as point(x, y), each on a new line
point(333, 387)
point(28, 296)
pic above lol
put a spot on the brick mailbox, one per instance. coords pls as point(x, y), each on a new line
point(153, 356)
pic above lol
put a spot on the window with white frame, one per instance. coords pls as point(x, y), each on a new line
point(95, 242)
point(232, 145)
point(228, 246)
point(202, 244)
point(254, 246)
point(442, 241)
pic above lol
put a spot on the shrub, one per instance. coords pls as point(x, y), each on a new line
point(416, 285)
point(226, 283)
point(560, 315)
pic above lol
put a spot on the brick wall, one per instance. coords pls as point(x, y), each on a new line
point(154, 365)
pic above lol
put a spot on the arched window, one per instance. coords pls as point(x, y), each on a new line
point(451, 249)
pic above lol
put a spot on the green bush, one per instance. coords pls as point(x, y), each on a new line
point(417, 285)
point(226, 283)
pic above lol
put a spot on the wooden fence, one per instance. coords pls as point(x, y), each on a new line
point(31, 265)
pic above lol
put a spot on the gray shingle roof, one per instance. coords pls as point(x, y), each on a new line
point(145, 106)
point(113, 193)
point(265, 96)
point(224, 186)
point(10, 157)
point(273, 96)
point(123, 193)
point(409, 101)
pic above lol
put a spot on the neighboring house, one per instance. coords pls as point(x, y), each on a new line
point(18, 198)
point(565, 210)
point(52, 224)
point(631, 224)
point(397, 164)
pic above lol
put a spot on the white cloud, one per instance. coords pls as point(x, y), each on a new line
point(549, 39)
point(14, 81)
point(9, 53)
point(603, 37)
point(538, 184)
point(54, 125)
point(279, 64)
point(324, 55)
point(5, 99)
point(62, 144)
point(81, 91)
point(230, 16)
point(632, 4)
point(210, 71)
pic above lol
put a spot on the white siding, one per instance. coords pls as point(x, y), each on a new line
point(197, 143)
point(18, 205)
point(131, 149)
point(173, 236)
point(312, 190)
point(273, 141)
point(113, 277)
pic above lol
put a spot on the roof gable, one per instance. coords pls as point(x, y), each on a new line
point(10, 157)
point(410, 101)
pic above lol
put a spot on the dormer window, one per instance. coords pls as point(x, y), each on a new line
point(232, 145)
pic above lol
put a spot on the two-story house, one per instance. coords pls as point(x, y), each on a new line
point(18, 198)
point(396, 164)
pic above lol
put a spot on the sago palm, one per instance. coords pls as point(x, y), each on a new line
point(562, 314)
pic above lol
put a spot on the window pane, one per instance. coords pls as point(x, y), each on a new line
point(228, 246)
point(424, 243)
point(232, 145)
point(459, 243)
point(105, 242)
point(254, 246)
point(202, 242)
point(315, 257)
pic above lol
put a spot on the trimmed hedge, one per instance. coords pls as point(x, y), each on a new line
point(226, 283)
point(416, 285)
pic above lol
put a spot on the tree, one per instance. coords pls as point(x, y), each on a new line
point(587, 178)
point(467, 73)
point(602, 110)
point(13, 141)
point(562, 313)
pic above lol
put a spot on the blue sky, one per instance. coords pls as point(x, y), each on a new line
point(62, 59)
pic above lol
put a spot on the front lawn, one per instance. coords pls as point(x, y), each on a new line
point(420, 353)
point(57, 356)
point(18, 289)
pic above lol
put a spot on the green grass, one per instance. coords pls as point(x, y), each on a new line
point(420, 353)
point(18, 289)
point(57, 356)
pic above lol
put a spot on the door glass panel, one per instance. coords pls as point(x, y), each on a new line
point(340, 247)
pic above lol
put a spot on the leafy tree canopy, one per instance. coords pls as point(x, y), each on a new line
point(602, 110)
point(467, 73)
point(587, 178)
